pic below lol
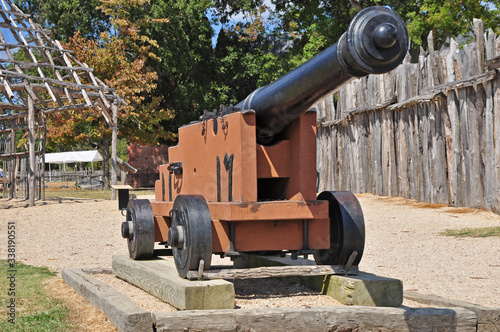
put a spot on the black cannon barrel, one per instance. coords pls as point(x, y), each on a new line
point(375, 42)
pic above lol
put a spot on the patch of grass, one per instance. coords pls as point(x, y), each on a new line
point(473, 232)
point(79, 193)
point(35, 310)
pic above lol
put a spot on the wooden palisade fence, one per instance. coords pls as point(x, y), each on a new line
point(428, 131)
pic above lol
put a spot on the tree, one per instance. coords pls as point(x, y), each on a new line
point(120, 61)
point(66, 17)
point(450, 19)
point(326, 20)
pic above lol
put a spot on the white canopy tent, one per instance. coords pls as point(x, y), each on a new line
point(73, 157)
point(91, 156)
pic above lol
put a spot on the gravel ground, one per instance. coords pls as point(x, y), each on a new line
point(402, 241)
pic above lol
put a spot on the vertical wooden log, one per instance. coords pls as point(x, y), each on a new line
point(388, 158)
point(412, 154)
point(424, 146)
point(328, 155)
point(437, 156)
point(12, 182)
point(371, 161)
point(32, 163)
point(339, 134)
point(488, 148)
point(433, 66)
point(475, 121)
point(377, 155)
point(22, 182)
point(360, 154)
point(490, 44)
point(16, 174)
point(480, 47)
point(4, 178)
point(385, 151)
point(465, 169)
point(320, 165)
point(114, 137)
point(452, 131)
point(44, 148)
point(403, 153)
point(496, 115)
point(440, 164)
point(351, 148)
point(331, 153)
point(433, 160)
point(12, 163)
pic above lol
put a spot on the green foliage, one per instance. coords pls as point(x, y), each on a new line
point(35, 310)
point(159, 54)
point(185, 65)
point(449, 19)
point(66, 17)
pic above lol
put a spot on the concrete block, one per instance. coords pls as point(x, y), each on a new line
point(159, 277)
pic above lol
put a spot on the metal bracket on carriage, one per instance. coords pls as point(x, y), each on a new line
point(351, 259)
point(175, 168)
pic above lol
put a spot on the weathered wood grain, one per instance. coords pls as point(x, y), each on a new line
point(437, 138)
point(275, 272)
point(488, 319)
point(119, 309)
point(496, 115)
point(319, 319)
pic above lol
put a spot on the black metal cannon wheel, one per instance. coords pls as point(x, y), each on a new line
point(347, 229)
point(139, 229)
point(190, 234)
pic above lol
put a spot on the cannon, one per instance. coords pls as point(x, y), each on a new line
point(243, 180)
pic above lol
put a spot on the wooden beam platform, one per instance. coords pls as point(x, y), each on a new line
point(273, 272)
point(363, 289)
point(120, 310)
point(159, 277)
point(127, 316)
point(318, 319)
point(488, 319)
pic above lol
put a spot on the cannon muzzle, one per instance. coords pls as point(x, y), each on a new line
point(376, 42)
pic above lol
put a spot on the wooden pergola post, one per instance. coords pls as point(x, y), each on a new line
point(44, 147)
point(114, 137)
point(32, 164)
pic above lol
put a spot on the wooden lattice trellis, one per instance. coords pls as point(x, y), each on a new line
point(38, 77)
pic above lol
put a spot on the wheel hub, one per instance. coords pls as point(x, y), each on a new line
point(128, 229)
point(176, 237)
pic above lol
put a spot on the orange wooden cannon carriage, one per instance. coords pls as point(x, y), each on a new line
point(243, 180)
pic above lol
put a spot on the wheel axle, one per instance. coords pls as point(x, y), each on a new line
point(128, 229)
point(176, 237)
